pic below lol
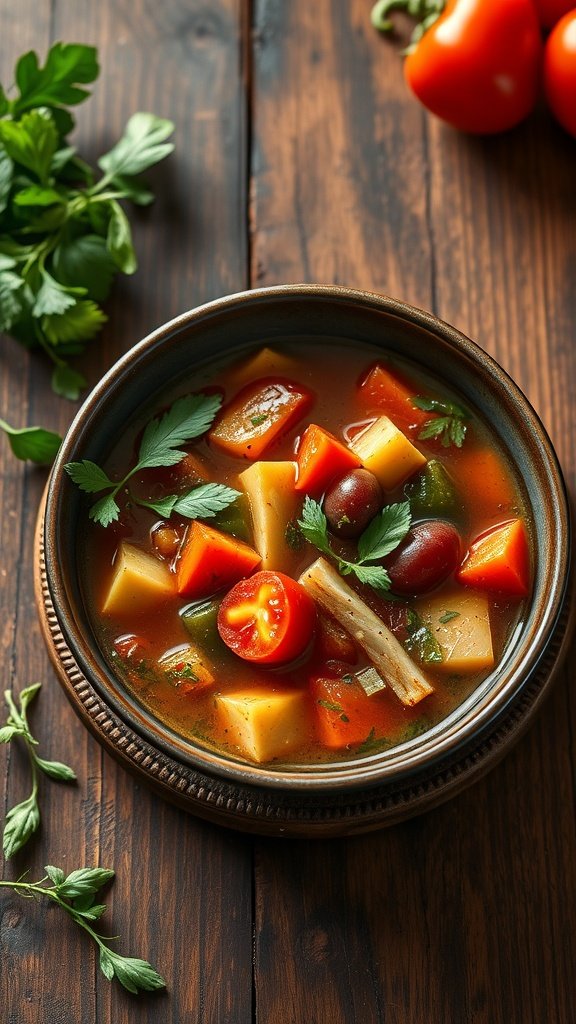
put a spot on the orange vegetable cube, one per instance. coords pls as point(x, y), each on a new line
point(212, 560)
point(258, 415)
point(388, 393)
point(345, 715)
point(322, 458)
point(499, 560)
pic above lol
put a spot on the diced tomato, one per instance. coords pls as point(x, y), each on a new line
point(258, 414)
point(333, 641)
point(321, 459)
point(211, 560)
point(499, 560)
point(345, 715)
point(388, 393)
point(269, 619)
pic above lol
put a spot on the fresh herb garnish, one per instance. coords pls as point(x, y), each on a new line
point(32, 443)
point(64, 235)
point(448, 616)
point(257, 421)
point(420, 639)
point(23, 819)
point(75, 893)
point(449, 427)
point(373, 744)
point(183, 672)
point(379, 539)
point(337, 708)
point(186, 419)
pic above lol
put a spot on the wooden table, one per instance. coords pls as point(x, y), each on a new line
point(300, 155)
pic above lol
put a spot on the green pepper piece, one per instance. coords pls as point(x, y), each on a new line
point(234, 520)
point(199, 620)
point(433, 492)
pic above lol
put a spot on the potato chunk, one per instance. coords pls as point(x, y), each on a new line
point(387, 453)
point(274, 504)
point(265, 363)
point(465, 638)
point(138, 582)
point(265, 725)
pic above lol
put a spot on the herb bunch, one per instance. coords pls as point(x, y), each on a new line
point(63, 232)
point(379, 539)
point(449, 425)
point(189, 417)
point(23, 819)
point(76, 894)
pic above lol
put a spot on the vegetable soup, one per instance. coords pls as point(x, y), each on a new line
point(307, 554)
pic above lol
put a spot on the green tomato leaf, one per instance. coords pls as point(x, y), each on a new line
point(88, 476)
point(21, 823)
point(141, 146)
point(67, 382)
point(55, 84)
point(385, 532)
point(31, 142)
point(85, 261)
point(79, 323)
point(56, 770)
point(32, 443)
point(134, 974)
point(84, 881)
point(119, 239)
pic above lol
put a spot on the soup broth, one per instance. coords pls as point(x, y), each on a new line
point(195, 615)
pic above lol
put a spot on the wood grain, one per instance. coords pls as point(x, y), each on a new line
point(468, 913)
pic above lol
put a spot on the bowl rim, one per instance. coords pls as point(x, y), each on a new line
point(449, 735)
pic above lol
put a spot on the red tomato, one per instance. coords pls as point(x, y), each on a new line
point(560, 72)
point(478, 66)
point(268, 618)
point(550, 11)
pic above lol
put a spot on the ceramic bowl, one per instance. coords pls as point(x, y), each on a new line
point(331, 799)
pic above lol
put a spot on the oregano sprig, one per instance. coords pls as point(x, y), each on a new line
point(380, 538)
point(76, 894)
point(189, 417)
point(23, 819)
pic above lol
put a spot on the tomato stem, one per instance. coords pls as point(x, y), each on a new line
point(426, 13)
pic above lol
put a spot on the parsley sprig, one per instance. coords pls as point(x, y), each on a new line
point(23, 819)
point(189, 417)
point(379, 539)
point(63, 233)
point(76, 894)
point(449, 426)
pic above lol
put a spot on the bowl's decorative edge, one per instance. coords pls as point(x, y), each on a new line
point(277, 812)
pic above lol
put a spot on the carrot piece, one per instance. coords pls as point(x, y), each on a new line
point(259, 413)
point(322, 458)
point(499, 560)
point(388, 393)
point(345, 715)
point(212, 560)
point(483, 480)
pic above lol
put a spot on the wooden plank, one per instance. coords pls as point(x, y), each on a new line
point(182, 895)
point(457, 915)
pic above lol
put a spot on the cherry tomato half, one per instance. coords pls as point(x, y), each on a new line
point(560, 71)
point(478, 66)
point(268, 618)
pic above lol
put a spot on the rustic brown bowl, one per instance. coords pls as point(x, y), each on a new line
point(318, 800)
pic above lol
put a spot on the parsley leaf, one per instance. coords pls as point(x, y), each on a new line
point(448, 427)
point(142, 145)
point(188, 418)
point(380, 537)
point(32, 443)
point(56, 84)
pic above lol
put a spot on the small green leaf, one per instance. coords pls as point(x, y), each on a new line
point(55, 84)
point(67, 382)
point(141, 146)
point(189, 417)
point(56, 875)
point(134, 974)
point(31, 142)
point(83, 261)
point(201, 502)
point(84, 881)
point(61, 157)
point(35, 195)
point(6, 176)
point(314, 525)
point(88, 476)
point(119, 239)
point(21, 823)
point(91, 913)
point(27, 695)
point(11, 304)
point(79, 323)
point(373, 575)
point(32, 443)
point(105, 511)
point(54, 298)
point(448, 616)
point(385, 532)
point(56, 770)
